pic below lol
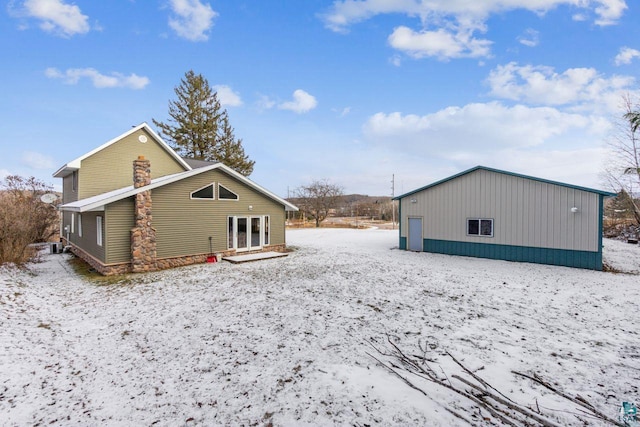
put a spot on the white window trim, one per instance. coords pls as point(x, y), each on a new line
point(266, 225)
point(79, 225)
point(232, 192)
point(213, 190)
point(99, 226)
point(466, 225)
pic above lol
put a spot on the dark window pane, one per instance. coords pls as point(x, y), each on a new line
point(203, 193)
point(226, 194)
point(473, 226)
point(486, 227)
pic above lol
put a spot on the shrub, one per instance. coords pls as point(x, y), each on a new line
point(24, 218)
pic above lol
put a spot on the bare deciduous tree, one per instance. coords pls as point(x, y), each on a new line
point(318, 198)
point(623, 169)
point(24, 218)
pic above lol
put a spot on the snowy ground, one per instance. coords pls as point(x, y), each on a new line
point(285, 341)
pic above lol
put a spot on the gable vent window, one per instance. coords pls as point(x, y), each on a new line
point(225, 194)
point(480, 227)
point(204, 193)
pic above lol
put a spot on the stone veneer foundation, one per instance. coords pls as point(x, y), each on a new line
point(161, 264)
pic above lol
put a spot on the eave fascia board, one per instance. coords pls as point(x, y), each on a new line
point(76, 163)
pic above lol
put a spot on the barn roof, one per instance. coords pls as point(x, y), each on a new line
point(533, 178)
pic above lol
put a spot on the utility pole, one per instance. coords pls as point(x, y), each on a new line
point(393, 203)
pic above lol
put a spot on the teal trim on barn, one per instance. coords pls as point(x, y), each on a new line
point(533, 219)
point(562, 257)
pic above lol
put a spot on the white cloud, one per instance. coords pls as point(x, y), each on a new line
point(265, 103)
point(538, 141)
point(395, 60)
point(302, 102)
point(37, 160)
point(57, 17)
point(343, 13)
point(530, 38)
point(449, 27)
point(609, 11)
point(474, 128)
point(581, 88)
point(227, 96)
point(441, 43)
point(73, 75)
point(4, 173)
point(192, 20)
point(626, 55)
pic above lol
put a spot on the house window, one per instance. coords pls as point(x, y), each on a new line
point(99, 230)
point(80, 225)
point(74, 181)
point(225, 194)
point(480, 227)
point(204, 193)
point(73, 223)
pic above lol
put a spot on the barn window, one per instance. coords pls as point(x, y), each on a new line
point(480, 227)
point(205, 192)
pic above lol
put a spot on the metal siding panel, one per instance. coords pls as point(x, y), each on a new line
point(112, 167)
point(562, 257)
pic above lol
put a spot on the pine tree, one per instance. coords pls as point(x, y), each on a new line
point(199, 127)
point(230, 151)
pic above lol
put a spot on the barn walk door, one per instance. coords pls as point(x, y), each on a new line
point(415, 234)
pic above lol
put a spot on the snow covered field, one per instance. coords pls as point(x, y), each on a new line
point(285, 341)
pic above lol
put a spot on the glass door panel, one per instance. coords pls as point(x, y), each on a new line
point(242, 234)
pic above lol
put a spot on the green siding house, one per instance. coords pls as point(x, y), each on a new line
point(134, 205)
point(489, 213)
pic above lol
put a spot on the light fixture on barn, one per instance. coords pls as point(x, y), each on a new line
point(414, 200)
point(574, 210)
point(250, 207)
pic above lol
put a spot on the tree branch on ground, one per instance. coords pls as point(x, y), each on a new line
point(478, 390)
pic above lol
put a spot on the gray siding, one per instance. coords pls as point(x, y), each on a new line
point(183, 225)
point(68, 194)
point(525, 212)
point(112, 167)
point(119, 220)
point(88, 241)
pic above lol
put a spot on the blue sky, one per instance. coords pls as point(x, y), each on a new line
point(353, 91)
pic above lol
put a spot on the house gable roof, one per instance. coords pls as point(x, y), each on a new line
point(468, 171)
point(74, 165)
point(97, 203)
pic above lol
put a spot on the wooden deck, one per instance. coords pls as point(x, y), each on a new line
point(237, 259)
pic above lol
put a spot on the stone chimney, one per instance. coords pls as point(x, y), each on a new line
point(141, 172)
point(143, 235)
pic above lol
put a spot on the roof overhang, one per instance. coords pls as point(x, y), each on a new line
point(74, 165)
point(98, 202)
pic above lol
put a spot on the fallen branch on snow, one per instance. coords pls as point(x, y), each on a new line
point(476, 389)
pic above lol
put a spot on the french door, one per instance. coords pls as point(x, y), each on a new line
point(247, 233)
